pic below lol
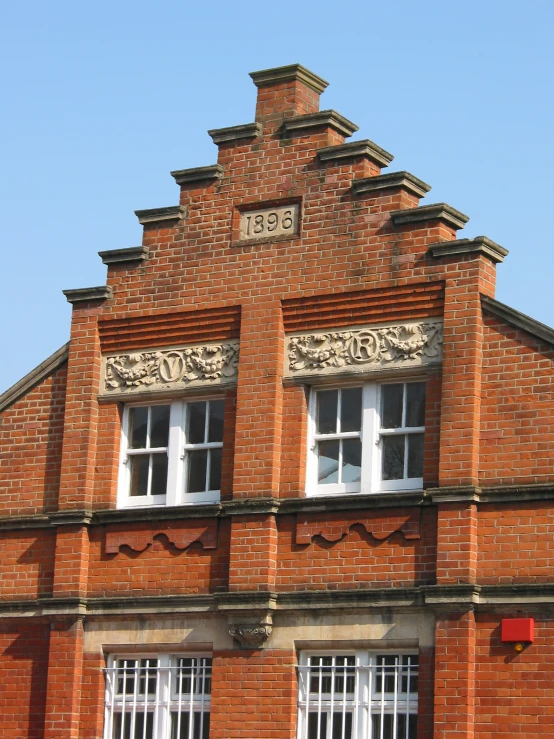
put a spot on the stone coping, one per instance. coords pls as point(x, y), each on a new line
point(86, 294)
point(153, 215)
point(120, 256)
point(34, 377)
point(363, 148)
point(213, 172)
point(391, 180)
point(517, 319)
point(289, 73)
point(436, 212)
point(300, 125)
point(478, 245)
point(235, 133)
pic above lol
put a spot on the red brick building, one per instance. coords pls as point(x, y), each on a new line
point(292, 474)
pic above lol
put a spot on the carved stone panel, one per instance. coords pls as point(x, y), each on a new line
point(168, 369)
point(365, 349)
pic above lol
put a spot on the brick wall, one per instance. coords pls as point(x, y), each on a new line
point(31, 433)
point(517, 422)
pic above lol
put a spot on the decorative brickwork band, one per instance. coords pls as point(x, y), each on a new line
point(139, 541)
point(360, 350)
point(333, 528)
point(212, 364)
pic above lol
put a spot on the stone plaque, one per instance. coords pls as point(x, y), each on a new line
point(268, 222)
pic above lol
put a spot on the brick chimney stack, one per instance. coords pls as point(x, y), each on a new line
point(285, 92)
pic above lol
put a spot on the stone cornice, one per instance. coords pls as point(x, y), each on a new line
point(478, 245)
point(155, 215)
point(235, 133)
point(364, 148)
point(289, 73)
point(211, 173)
point(121, 256)
point(436, 212)
point(86, 294)
point(71, 518)
point(389, 181)
point(288, 506)
point(34, 377)
point(301, 125)
point(517, 319)
point(442, 597)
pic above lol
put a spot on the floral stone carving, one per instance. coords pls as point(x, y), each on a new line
point(365, 348)
point(251, 636)
point(170, 368)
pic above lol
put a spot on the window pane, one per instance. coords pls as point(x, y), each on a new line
point(393, 457)
point(196, 477)
point(327, 403)
point(215, 431)
point(196, 424)
point(351, 460)
point(415, 455)
point(315, 722)
point(415, 404)
point(139, 474)
point(392, 406)
point(340, 719)
point(159, 474)
point(215, 469)
point(159, 425)
point(200, 725)
point(328, 462)
point(141, 731)
point(351, 409)
point(138, 419)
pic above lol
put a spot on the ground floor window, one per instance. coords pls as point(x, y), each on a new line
point(158, 697)
point(357, 695)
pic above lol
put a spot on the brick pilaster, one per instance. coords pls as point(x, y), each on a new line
point(253, 558)
point(455, 676)
point(259, 401)
point(65, 665)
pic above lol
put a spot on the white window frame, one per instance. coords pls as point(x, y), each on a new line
point(364, 703)
point(165, 700)
point(371, 435)
point(177, 458)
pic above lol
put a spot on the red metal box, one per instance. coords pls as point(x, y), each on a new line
point(518, 629)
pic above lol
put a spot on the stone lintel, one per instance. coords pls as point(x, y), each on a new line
point(436, 212)
point(211, 173)
point(389, 181)
point(34, 377)
point(363, 148)
point(289, 73)
point(86, 294)
point(517, 319)
point(301, 124)
point(478, 245)
point(120, 256)
point(153, 215)
point(235, 133)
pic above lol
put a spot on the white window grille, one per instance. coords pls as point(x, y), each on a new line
point(160, 697)
point(366, 439)
point(358, 696)
point(171, 453)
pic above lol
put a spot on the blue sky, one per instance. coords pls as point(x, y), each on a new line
point(101, 100)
